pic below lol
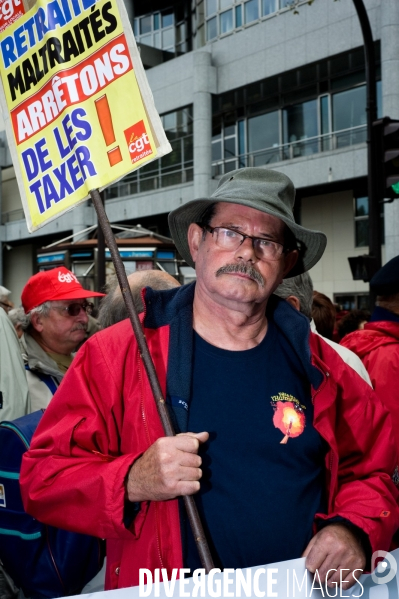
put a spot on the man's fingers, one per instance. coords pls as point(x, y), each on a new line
point(191, 441)
point(335, 552)
point(190, 460)
point(328, 567)
point(190, 474)
point(187, 488)
point(316, 555)
point(309, 547)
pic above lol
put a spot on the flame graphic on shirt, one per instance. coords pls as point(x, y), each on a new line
point(289, 418)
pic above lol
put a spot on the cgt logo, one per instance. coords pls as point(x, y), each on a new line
point(137, 142)
point(10, 11)
point(68, 277)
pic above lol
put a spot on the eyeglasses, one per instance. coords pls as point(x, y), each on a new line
point(228, 239)
point(74, 309)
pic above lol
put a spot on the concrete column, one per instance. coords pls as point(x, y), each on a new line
point(204, 81)
point(82, 217)
point(390, 104)
point(130, 10)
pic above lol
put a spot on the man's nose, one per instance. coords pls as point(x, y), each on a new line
point(246, 250)
point(82, 316)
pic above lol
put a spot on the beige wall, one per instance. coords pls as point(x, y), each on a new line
point(333, 214)
point(18, 267)
point(11, 200)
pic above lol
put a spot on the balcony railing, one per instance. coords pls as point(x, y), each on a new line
point(172, 169)
point(141, 182)
point(12, 215)
point(294, 149)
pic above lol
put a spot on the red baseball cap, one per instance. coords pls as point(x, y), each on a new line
point(55, 284)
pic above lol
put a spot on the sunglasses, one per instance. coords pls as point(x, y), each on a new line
point(74, 309)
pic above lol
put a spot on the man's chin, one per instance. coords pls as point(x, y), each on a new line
point(79, 334)
point(238, 279)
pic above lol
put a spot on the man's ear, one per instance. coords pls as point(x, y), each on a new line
point(290, 260)
point(294, 301)
point(194, 236)
point(36, 322)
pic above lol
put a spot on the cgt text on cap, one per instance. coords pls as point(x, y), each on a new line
point(50, 285)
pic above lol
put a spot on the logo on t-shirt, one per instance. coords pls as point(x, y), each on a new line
point(289, 415)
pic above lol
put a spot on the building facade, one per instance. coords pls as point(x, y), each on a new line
point(264, 83)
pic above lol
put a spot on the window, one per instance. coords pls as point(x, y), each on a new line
point(226, 21)
point(264, 138)
point(269, 7)
point(353, 301)
point(251, 11)
point(362, 222)
point(297, 113)
point(172, 169)
point(349, 113)
point(300, 124)
point(159, 30)
point(225, 144)
point(225, 16)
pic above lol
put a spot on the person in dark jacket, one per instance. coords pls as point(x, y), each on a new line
point(377, 345)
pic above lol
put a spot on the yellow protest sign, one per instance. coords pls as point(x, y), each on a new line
point(78, 109)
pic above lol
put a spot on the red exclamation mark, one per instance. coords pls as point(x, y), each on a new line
point(104, 116)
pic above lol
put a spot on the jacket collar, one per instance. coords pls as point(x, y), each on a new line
point(38, 359)
point(381, 314)
point(174, 307)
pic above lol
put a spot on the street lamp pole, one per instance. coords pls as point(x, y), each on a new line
point(372, 159)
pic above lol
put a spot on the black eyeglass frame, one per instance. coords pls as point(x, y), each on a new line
point(244, 237)
point(88, 307)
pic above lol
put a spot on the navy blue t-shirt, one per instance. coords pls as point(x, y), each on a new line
point(263, 466)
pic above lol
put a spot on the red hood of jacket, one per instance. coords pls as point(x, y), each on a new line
point(374, 335)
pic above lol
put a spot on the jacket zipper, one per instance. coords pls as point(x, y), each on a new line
point(326, 374)
point(143, 416)
point(53, 561)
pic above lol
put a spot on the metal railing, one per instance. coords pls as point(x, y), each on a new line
point(172, 169)
point(141, 182)
point(11, 216)
point(294, 149)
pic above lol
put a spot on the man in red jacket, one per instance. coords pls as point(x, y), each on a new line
point(378, 343)
point(291, 452)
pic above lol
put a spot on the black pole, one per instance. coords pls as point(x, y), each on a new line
point(189, 503)
point(372, 158)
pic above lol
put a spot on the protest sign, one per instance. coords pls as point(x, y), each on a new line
point(78, 109)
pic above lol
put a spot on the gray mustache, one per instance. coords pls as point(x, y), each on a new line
point(245, 269)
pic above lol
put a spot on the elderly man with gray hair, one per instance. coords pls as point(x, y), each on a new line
point(298, 291)
point(14, 396)
point(113, 309)
point(55, 304)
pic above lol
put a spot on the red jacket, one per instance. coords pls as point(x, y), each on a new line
point(378, 348)
point(103, 417)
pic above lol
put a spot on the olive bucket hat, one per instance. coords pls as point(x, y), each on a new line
point(259, 188)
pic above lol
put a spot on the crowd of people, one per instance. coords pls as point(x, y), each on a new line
point(282, 433)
